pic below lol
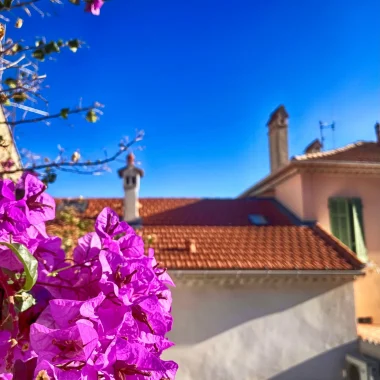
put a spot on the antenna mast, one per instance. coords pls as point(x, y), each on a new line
point(323, 126)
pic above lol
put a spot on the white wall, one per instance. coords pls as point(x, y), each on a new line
point(262, 331)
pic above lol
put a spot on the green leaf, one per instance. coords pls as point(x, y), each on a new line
point(73, 45)
point(28, 260)
point(91, 116)
point(51, 47)
point(16, 48)
point(39, 54)
point(65, 113)
point(7, 3)
point(60, 43)
point(24, 301)
point(75, 2)
point(52, 177)
point(10, 82)
point(19, 97)
point(49, 178)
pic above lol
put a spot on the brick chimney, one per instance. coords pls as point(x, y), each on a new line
point(278, 138)
point(377, 130)
point(131, 182)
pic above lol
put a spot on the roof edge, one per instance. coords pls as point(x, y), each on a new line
point(330, 152)
point(291, 215)
point(295, 165)
point(266, 181)
point(260, 272)
point(341, 248)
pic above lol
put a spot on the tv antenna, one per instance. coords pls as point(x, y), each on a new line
point(322, 127)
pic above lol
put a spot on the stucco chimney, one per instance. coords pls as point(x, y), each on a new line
point(131, 182)
point(278, 138)
point(377, 130)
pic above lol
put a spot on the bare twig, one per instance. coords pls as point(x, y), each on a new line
point(13, 64)
point(71, 166)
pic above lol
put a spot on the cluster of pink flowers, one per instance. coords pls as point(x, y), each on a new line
point(105, 315)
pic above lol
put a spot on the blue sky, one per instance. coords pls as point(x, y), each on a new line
point(200, 77)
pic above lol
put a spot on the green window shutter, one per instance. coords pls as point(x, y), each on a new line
point(340, 220)
point(358, 226)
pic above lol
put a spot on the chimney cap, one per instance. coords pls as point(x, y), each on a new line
point(131, 166)
point(279, 112)
point(131, 159)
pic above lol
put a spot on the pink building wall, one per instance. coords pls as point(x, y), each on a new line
point(307, 196)
point(290, 194)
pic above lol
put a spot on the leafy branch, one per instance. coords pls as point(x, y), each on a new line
point(8, 5)
point(64, 113)
point(21, 93)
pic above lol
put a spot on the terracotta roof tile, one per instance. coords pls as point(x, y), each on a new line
point(362, 151)
point(225, 239)
point(186, 211)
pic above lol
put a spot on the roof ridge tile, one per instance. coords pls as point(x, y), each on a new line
point(329, 152)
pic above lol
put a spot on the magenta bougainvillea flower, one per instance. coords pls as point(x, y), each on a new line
point(93, 6)
point(103, 315)
point(7, 190)
point(40, 207)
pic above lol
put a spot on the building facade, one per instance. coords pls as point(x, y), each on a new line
point(257, 290)
point(339, 189)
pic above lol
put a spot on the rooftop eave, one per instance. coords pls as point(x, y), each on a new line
point(268, 181)
point(322, 166)
point(267, 272)
point(221, 277)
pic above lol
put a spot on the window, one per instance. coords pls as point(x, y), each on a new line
point(127, 180)
point(257, 219)
point(133, 180)
point(346, 220)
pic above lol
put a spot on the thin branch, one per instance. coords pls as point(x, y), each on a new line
point(13, 64)
point(65, 165)
point(3, 52)
point(38, 119)
point(12, 89)
point(76, 171)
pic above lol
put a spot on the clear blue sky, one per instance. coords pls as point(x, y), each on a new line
point(200, 77)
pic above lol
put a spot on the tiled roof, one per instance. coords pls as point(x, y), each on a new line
point(193, 211)
point(369, 333)
point(224, 238)
point(365, 152)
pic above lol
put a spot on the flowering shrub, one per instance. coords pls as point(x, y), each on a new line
point(103, 315)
